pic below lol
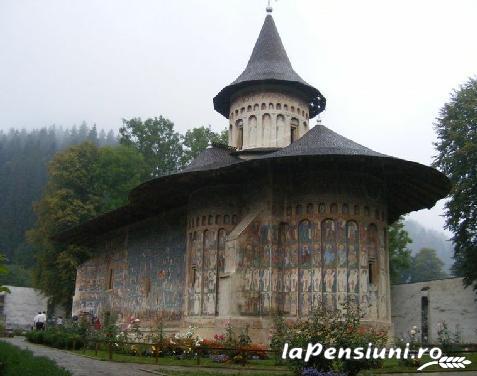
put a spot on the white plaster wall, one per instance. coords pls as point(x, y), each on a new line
point(449, 301)
point(266, 118)
point(21, 306)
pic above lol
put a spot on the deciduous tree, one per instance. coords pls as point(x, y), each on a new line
point(83, 181)
point(456, 145)
point(399, 254)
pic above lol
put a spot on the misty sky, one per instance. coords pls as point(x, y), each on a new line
point(386, 67)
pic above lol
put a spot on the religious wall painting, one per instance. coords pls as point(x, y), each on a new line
point(305, 243)
point(352, 247)
point(328, 235)
point(221, 251)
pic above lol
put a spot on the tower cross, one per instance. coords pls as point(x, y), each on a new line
point(269, 7)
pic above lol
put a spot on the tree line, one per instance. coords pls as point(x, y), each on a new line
point(53, 178)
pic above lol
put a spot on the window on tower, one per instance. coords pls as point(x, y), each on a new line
point(294, 130)
point(240, 135)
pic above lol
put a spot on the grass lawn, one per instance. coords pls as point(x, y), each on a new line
point(16, 362)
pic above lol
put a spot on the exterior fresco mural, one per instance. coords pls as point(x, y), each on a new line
point(293, 267)
point(135, 273)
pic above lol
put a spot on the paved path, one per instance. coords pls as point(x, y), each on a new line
point(83, 366)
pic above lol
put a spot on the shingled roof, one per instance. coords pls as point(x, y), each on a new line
point(269, 63)
point(321, 140)
point(410, 186)
point(212, 158)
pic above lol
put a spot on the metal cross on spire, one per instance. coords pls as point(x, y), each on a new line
point(269, 7)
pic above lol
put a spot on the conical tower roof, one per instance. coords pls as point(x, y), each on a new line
point(269, 63)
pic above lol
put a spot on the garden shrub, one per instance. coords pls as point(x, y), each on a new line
point(331, 328)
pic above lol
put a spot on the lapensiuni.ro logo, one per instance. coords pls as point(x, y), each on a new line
point(371, 352)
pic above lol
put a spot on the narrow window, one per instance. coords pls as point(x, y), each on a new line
point(370, 273)
point(294, 130)
point(239, 134)
point(279, 106)
point(425, 319)
point(110, 279)
point(249, 108)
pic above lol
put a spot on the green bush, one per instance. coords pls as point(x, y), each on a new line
point(331, 328)
point(15, 361)
point(62, 337)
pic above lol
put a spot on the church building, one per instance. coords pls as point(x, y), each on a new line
point(286, 217)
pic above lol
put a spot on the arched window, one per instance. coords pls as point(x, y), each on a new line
point(264, 106)
point(279, 106)
point(234, 219)
point(309, 209)
point(322, 208)
point(231, 115)
point(226, 219)
point(271, 106)
point(345, 209)
point(242, 110)
point(239, 125)
point(285, 107)
point(252, 130)
point(217, 219)
point(334, 208)
point(356, 210)
point(298, 110)
point(204, 220)
point(366, 211)
point(292, 109)
point(211, 220)
point(266, 128)
point(256, 107)
point(293, 130)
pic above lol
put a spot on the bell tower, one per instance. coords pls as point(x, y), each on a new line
point(269, 105)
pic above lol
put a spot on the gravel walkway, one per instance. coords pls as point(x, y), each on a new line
point(83, 366)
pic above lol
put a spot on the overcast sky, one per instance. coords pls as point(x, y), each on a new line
point(386, 67)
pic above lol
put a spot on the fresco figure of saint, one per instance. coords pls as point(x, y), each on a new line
point(317, 279)
point(330, 280)
point(342, 280)
point(353, 281)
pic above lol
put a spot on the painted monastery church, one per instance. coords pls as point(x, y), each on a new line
point(283, 218)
